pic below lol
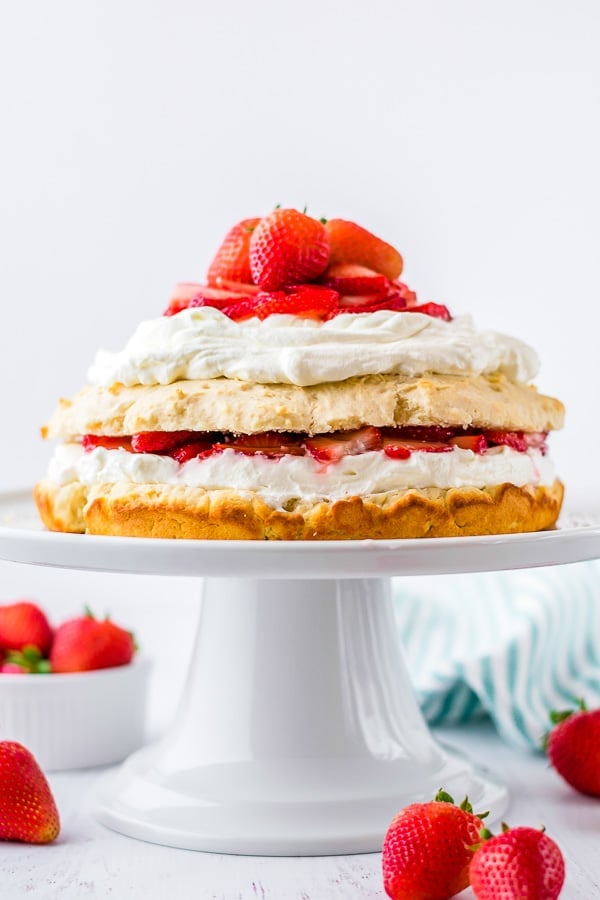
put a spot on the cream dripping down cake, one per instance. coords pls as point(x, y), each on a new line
point(305, 393)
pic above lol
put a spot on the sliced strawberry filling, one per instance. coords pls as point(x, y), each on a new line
point(345, 288)
point(396, 443)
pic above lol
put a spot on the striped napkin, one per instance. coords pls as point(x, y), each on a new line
point(511, 645)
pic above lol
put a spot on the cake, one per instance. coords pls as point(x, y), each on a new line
point(305, 393)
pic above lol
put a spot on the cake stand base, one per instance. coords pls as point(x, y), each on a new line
point(298, 732)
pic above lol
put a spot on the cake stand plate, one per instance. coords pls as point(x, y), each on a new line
point(298, 731)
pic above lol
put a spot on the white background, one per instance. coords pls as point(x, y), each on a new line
point(133, 134)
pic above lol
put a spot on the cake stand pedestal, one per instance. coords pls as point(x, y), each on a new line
point(298, 732)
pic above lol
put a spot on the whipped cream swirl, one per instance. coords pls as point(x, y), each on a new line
point(204, 343)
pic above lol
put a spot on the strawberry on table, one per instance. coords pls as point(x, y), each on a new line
point(518, 863)
point(24, 624)
point(232, 261)
point(86, 643)
point(288, 247)
point(350, 243)
point(27, 808)
point(573, 748)
point(428, 848)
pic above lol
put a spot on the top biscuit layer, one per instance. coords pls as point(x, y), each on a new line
point(223, 404)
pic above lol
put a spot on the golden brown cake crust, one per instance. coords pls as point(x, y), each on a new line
point(222, 404)
point(173, 511)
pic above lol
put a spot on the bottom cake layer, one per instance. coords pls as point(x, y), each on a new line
point(179, 511)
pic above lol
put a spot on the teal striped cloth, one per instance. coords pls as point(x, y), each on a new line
point(511, 645)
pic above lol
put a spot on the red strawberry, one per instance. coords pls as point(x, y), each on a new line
point(24, 624)
point(352, 279)
point(332, 448)
point(91, 441)
point(573, 748)
point(475, 442)
point(401, 448)
point(236, 287)
point(519, 863)
point(159, 441)
point(27, 808)
point(85, 643)
point(288, 247)
point(429, 433)
point(395, 449)
point(181, 296)
point(207, 296)
point(268, 443)
point(436, 310)
point(193, 450)
point(399, 289)
point(349, 243)
point(514, 439)
point(428, 848)
point(303, 300)
point(232, 261)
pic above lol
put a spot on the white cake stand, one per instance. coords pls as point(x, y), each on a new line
point(298, 732)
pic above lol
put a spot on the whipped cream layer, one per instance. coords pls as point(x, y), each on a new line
point(204, 343)
point(278, 481)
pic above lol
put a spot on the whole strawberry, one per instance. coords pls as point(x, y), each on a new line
point(428, 848)
point(232, 261)
point(24, 624)
point(573, 748)
point(27, 808)
point(86, 643)
point(287, 247)
point(519, 863)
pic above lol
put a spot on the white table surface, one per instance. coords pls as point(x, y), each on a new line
point(90, 861)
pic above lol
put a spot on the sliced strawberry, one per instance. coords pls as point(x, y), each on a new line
point(350, 243)
point(232, 260)
point(429, 433)
point(514, 439)
point(394, 449)
point(397, 447)
point(193, 450)
point(437, 310)
point(238, 287)
point(304, 300)
point(91, 441)
point(159, 441)
point(536, 440)
point(399, 289)
point(326, 448)
point(307, 300)
point(268, 443)
point(206, 296)
point(475, 442)
point(242, 309)
point(181, 296)
point(354, 280)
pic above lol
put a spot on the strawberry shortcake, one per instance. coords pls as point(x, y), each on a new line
point(305, 393)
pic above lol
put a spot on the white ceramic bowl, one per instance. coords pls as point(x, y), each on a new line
point(76, 720)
